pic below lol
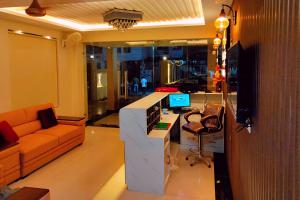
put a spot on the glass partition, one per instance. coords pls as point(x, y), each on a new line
point(144, 67)
point(96, 81)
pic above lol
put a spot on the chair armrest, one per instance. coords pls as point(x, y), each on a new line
point(206, 118)
point(193, 112)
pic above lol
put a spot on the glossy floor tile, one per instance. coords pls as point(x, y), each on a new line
point(185, 183)
point(95, 170)
point(110, 120)
point(82, 172)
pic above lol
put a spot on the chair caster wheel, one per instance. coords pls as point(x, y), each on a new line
point(191, 165)
point(209, 166)
point(187, 158)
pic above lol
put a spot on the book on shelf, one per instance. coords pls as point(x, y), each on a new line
point(162, 126)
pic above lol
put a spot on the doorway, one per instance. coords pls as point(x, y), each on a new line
point(96, 82)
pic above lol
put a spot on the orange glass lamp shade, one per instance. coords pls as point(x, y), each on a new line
point(222, 21)
point(215, 46)
point(217, 41)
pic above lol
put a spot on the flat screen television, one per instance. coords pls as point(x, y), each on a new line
point(241, 80)
point(179, 100)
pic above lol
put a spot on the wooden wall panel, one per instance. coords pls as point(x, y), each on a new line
point(266, 163)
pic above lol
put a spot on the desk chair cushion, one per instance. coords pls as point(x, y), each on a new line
point(193, 127)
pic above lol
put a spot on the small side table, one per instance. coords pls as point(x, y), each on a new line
point(30, 193)
point(69, 120)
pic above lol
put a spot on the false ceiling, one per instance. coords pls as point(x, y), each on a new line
point(86, 15)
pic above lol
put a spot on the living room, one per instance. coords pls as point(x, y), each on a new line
point(52, 147)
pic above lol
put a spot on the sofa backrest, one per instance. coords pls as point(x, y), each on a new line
point(25, 121)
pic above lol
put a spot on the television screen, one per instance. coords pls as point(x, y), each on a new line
point(232, 64)
point(241, 65)
point(179, 100)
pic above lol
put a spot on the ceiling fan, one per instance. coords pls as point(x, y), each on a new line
point(35, 9)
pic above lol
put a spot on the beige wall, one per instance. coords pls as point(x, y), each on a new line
point(70, 68)
point(5, 94)
point(33, 70)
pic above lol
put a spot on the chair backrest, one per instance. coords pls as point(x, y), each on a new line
point(220, 118)
point(215, 109)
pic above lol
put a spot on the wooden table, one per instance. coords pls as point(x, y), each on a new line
point(70, 120)
point(30, 193)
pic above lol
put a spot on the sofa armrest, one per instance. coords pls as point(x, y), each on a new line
point(2, 183)
point(8, 150)
point(75, 121)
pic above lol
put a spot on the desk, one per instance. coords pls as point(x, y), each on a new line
point(147, 151)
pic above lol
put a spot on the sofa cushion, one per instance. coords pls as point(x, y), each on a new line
point(8, 135)
point(14, 118)
point(32, 112)
point(33, 145)
point(63, 132)
point(27, 128)
point(47, 118)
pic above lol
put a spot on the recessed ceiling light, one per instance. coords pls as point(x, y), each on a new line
point(178, 41)
point(140, 43)
point(48, 37)
point(197, 42)
point(19, 32)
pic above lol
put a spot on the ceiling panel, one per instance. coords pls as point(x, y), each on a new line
point(80, 14)
point(154, 10)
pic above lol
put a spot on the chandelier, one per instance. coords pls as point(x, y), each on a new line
point(122, 19)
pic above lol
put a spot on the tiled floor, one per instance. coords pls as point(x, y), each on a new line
point(95, 170)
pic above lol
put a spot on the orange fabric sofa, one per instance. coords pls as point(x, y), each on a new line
point(36, 146)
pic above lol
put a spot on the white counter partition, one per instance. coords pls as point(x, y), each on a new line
point(147, 151)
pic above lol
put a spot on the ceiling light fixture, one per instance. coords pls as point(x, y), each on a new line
point(222, 21)
point(122, 19)
point(35, 9)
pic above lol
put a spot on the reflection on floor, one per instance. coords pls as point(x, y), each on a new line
point(111, 120)
point(97, 109)
point(95, 170)
point(222, 184)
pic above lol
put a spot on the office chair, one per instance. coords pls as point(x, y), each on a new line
point(211, 122)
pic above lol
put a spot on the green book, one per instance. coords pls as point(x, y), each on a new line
point(162, 126)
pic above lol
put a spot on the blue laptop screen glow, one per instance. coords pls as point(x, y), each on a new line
point(179, 100)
